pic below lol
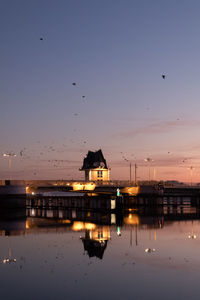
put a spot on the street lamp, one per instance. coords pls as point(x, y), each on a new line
point(148, 160)
point(129, 166)
point(9, 156)
point(191, 173)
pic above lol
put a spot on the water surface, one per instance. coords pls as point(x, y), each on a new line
point(63, 258)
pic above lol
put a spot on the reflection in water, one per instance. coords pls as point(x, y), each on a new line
point(95, 241)
point(192, 235)
point(77, 226)
point(148, 250)
point(132, 219)
point(140, 249)
point(9, 259)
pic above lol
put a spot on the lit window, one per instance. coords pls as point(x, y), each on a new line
point(99, 174)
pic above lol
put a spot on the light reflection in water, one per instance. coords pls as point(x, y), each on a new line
point(115, 251)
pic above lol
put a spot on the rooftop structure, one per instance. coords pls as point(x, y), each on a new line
point(95, 167)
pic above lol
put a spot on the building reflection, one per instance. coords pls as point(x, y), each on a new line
point(12, 222)
point(37, 219)
point(95, 241)
point(95, 226)
point(95, 238)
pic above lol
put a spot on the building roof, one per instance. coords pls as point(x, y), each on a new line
point(94, 160)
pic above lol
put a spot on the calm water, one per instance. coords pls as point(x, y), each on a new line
point(63, 258)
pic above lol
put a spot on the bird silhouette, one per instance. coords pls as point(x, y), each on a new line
point(83, 97)
point(163, 76)
point(74, 83)
point(41, 39)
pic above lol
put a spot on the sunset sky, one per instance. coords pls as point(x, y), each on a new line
point(116, 52)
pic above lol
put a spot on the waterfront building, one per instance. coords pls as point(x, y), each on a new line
point(95, 167)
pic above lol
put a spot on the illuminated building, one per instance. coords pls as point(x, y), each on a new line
point(95, 167)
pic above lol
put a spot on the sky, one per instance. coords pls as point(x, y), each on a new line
point(116, 52)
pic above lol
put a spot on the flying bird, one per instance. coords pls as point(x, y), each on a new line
point(163, 76)
point(83, 97)
point(74, 83)
point(41, 39)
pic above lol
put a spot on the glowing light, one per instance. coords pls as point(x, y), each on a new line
point(77, 226)
point(192, 236)
point(9, 260)
point(27, 225)
point(89, 186)
point(118, 231)
point(101, 234)
point(78, 186)
point(149, 250)
point(33, 212)
point(65, 221)
point(118, 192)
point(113, 219)
point(131, 190)
point(132, 219)
point(90, 226)
point(9, 155)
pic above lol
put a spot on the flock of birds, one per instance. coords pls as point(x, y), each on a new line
point(56, 163)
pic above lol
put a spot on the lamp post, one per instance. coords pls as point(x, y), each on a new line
point(136, 174)
point(9, 156)
point(191, 173)
point(148, 160)
point(130, 169)
point(130, 166)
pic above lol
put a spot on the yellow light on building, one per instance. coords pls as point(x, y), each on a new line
point(78, 186)
point(89, 186)
point(131, 190)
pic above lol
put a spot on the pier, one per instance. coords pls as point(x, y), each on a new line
point(113, 195)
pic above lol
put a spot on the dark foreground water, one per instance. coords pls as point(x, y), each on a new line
point(132, 256)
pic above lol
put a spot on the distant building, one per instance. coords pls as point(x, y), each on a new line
point(95, 167)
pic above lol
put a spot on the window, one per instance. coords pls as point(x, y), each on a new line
point(99, 174)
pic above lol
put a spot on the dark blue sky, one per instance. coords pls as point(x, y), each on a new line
point(116, 52)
